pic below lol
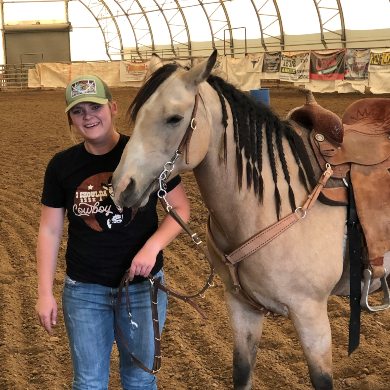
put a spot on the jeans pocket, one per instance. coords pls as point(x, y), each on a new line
point(70, 283)
point(160, 275)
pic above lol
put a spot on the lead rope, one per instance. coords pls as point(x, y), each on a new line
point(156, 325)
point(162, 195)
point(156, 284)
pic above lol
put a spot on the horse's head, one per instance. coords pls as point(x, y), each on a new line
point(162, 113)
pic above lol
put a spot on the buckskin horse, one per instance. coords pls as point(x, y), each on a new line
point(251, 177)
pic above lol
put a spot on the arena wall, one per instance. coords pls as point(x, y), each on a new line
point(246, 73)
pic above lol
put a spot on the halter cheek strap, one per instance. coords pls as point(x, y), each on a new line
point(185, 142)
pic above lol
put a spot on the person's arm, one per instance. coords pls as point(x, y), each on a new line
point(168, 229)
point(49, 238)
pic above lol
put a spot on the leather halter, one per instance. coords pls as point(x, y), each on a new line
point(185, 142)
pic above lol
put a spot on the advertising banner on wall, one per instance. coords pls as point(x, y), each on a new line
point(244, 73)
point(379, 60)
point(327, 65)
point(295, 66)
point(132, 71)
point(271, 62)
point(356, 64)
point(379, 69)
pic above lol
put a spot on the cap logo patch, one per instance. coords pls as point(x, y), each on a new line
point(83, 87)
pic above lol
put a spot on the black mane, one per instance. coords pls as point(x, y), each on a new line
point(148, 89)
point(251, 121)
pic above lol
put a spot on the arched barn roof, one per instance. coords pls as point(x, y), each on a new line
point(183, 28)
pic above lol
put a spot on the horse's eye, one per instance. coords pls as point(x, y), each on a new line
point(174, 119)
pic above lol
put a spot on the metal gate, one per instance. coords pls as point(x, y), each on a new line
point(14, 76)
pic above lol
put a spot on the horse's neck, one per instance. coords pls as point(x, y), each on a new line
point(237, 214)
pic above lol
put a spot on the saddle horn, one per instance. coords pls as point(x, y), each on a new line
point(313, 116)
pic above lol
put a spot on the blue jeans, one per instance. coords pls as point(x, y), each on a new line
point(92, 320)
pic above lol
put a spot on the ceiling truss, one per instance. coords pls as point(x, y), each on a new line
point(128, 27)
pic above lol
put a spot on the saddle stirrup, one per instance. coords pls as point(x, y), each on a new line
point(367, 274)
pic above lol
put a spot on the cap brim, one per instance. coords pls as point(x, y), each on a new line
point(86, 99)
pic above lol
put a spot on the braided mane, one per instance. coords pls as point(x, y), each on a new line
point(252, 121)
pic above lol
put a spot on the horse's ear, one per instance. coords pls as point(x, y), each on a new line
point(155, 63)
point(202, 71)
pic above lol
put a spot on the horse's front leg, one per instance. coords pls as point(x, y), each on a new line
point(247, 324)
point(312, 325)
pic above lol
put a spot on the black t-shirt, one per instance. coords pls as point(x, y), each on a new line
point(102, 241)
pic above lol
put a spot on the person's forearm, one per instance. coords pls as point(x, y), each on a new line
point(167, 231)
point(46, 253)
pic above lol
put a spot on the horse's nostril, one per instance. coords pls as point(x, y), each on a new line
point(130, 187)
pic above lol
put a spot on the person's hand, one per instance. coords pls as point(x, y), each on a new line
point(46, 309)
point(143, 262)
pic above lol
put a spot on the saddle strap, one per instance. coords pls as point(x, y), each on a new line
point(232, 259)
point(233, 272)
point(355, 260)
point(267, 235)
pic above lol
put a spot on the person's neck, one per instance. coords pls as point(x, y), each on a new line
point(102, 147)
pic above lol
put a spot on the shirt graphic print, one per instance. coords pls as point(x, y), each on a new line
point(94, 205)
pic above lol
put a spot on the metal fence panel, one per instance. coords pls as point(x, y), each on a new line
point(14, 76)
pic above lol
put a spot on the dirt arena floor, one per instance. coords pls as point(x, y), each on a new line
point(197, 353)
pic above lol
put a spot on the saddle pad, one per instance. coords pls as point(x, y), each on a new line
point(371, 187)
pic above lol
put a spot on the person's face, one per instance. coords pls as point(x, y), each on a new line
point(92, 120)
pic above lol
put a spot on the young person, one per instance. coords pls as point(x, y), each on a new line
point(103, 243)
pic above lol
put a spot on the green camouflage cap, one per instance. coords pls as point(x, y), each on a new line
point(87, 88)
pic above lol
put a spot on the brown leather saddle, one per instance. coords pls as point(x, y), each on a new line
point(358, 149)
